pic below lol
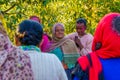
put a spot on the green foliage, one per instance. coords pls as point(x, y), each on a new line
point(52, 11)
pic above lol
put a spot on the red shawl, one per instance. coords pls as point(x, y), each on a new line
point(110, 48)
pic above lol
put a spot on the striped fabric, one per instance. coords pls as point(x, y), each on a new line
point(46, 66)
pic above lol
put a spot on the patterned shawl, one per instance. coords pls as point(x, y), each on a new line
point(14, 63)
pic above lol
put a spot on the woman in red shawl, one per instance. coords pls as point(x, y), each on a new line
point(104, 62)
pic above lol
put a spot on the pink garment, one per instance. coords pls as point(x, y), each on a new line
point(45, 41)
point(86, 41)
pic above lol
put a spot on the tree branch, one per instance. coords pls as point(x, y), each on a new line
point(8, 9)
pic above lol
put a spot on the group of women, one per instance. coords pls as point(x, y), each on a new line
point(27, 62)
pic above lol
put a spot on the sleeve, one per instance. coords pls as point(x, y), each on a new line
point(71, 36)
point(60, 70)
point(88, 47)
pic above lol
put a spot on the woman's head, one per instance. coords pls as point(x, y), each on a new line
point(29, 33)
point(35, 18)
point(107, 36)
point(58, 30)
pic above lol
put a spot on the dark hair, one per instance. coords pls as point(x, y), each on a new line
point(82, 20)
point(116, 24)
point(31, 32)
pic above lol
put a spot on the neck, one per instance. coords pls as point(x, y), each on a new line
point(57, 39)
point(81, 34)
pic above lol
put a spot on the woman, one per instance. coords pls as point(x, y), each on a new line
point(64, 48)
point(104, 62)
point(45, 39)
point(29, 36)
point(14, 63)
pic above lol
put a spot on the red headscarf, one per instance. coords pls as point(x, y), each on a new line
point(110, 48)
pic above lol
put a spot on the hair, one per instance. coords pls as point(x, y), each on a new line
point(55, 25)
point(116, 24)
point(82, 20)
point(30, 32)
point(39, 20)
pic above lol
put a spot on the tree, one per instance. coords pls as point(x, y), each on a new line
point(52, 11)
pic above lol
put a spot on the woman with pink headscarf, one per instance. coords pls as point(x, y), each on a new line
point(45, 38)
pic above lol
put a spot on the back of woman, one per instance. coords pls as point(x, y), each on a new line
point(44, 66)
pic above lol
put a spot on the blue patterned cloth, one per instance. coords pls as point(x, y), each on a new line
point(30, 48)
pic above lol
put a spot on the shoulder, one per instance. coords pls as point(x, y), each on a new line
point(89, 36)
point(71, 34)
point(45, 36)
point(42, 56)
point(69, 41)
point(20, 53)
point(48, 55)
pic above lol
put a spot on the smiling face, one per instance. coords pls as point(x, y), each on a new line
point(80, 28)
point(59, 32)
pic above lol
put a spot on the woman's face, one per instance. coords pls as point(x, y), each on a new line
point(59, 32)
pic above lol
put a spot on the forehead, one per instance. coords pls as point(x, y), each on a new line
point(35, 18)
point(80, 25)
point(58, 27)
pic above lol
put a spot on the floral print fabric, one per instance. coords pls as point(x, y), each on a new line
point(14, 63)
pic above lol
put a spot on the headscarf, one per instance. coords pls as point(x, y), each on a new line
point(14, 63)
point(54, 38)
point(67, 45)
point(36, 18)
point(55, 42)
point(108, 40)
point(45, 37)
